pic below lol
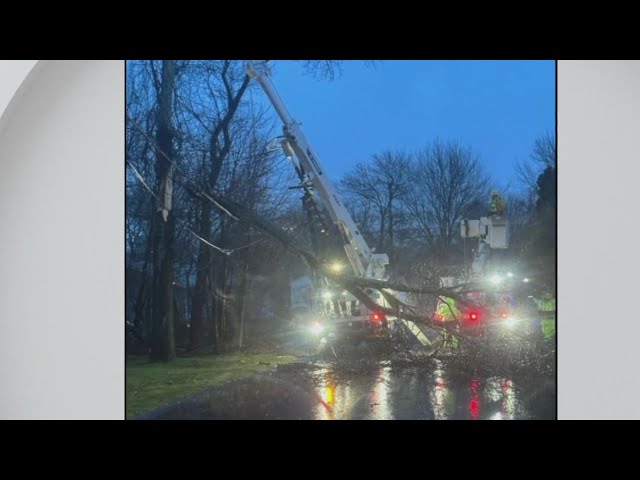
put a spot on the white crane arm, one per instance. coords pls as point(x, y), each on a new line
point(363, 260)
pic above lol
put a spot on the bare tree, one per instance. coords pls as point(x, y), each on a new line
point(162, 337)
point(328, 69)
point(362, 211)
point(448, 179)
point(187, 124)
point(543, 155)
point(381, 184)
point(520, 209)
point(544, 150)
point(210, 101)
point(203, 141)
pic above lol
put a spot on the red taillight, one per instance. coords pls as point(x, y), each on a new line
point(473, 316)
point(376, 316)
point(474, 408)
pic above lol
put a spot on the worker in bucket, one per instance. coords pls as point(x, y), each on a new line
point(496, 206)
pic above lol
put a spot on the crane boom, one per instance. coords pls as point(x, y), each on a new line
point(363, 261)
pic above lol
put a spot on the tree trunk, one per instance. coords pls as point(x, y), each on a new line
point(217, 286)
point(243, 302)
point(199, 302)
point(162, 329)
point(213, 333)
point(140, 320)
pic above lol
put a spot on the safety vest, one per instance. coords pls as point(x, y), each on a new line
point(447, 308)
point(546, 305)
point(497, 204)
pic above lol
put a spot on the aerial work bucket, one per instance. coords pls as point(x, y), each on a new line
point(498, 237)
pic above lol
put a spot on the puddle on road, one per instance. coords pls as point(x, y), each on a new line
point(412, 393)
point(355, 398)
point(492, 399)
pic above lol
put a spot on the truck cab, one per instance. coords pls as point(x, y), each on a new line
point(485, 310)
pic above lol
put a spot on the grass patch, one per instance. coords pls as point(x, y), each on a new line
point(152, 385)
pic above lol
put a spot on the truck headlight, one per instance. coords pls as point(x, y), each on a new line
point(317, 327)
point(510, 322)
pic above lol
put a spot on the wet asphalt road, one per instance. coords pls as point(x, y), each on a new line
point(381, 391)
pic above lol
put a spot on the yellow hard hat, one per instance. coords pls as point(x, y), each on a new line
point(494, 193)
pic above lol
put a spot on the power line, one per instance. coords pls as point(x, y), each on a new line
point(224, 251)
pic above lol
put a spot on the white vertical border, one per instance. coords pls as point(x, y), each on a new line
point(62, 244)
point(598, 239)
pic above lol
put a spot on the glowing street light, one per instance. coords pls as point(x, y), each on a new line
point(525, 280)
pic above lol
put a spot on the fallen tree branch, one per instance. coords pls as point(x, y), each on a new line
point(355, 285)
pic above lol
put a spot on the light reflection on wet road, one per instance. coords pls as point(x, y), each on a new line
point(382, 392)
point(415, 395)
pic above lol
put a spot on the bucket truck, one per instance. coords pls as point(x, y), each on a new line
point(489, 293)
point(338, 311)
point(477, 287)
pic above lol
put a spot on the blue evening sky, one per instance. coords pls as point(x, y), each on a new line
point(497, 107)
